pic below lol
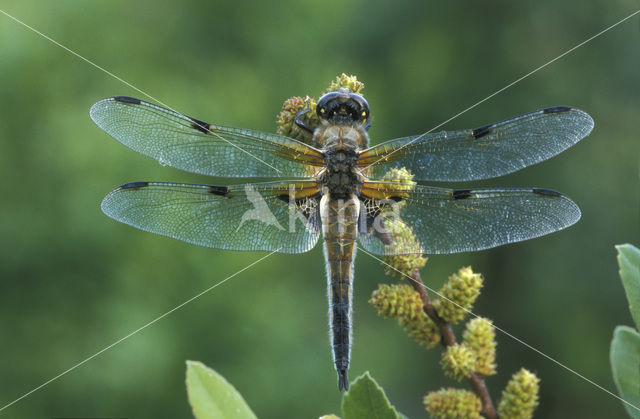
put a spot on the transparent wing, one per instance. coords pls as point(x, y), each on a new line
point(240, 217)
point(195, 146)
point(485, 152)
point(458, 220)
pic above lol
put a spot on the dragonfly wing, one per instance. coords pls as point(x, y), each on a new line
point(241, 217)
point(485, 152)
point(195, 146)
point(458, 220)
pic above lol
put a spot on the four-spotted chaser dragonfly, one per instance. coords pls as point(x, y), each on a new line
point(336, 187)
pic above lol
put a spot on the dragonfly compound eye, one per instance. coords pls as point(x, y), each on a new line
point(343, 108)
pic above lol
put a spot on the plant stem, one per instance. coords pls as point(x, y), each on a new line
point(476, 381)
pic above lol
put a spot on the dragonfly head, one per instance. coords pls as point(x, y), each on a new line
point(343, 108)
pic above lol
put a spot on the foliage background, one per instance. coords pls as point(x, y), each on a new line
point(73, 281)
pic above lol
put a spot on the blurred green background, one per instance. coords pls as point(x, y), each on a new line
point(72, 281)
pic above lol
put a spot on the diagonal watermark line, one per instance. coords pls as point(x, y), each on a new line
point(136, 331)
point(132, 86)
point(506, 87)
point(507, 333)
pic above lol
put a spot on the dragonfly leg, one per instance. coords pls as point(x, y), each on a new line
point(300, 123)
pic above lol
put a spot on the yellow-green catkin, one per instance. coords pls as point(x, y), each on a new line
point(458, 361)
point(520, 397)
point(458, 294)
point(403, 303)
point(404, 242)
point(453, 403)
point(286, 117)
point(400, 175)
point(480, 336)
point(402, 265)
point(350, 82)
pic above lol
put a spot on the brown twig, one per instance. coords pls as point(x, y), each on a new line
point(476, 381)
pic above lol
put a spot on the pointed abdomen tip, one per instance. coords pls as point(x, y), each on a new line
point(343, 381)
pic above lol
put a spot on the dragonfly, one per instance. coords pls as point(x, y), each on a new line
point(334, 185)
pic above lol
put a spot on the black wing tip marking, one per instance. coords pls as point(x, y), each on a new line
point(461, 194)
point(134, 185)
point(487, 129)
point(127, 99)
point(546, 192)
point(585, 119)
point(557, 109)
point(200, 125)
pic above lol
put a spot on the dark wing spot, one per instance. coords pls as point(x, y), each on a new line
point(557, 109)
point(481, 131)
point(461, 193)
point(367, 223)
point(308, 208)
point(127, 99)
point(200, 126)
point(218, 190)
point(372, 209)
point(134, 185)
point(545, 192)
point(284, 198)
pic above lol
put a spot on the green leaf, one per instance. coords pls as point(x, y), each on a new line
point(211, 396)
point(629, 262)
point(625, 364)
point(366, 399)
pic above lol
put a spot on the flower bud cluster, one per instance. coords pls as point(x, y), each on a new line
point(458, 361)
point(458, 295)
point(480, 337)
point(403, 242)
point(402, 265)
point(286, 118)
point(350, 82)
point(453, 403)
point(403, 303)
point(520, 397)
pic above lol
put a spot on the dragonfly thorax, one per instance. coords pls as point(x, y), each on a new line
point(340, 177)
point(341, 146)
point(334, 136)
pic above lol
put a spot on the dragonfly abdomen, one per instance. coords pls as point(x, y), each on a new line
point(340, 221)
